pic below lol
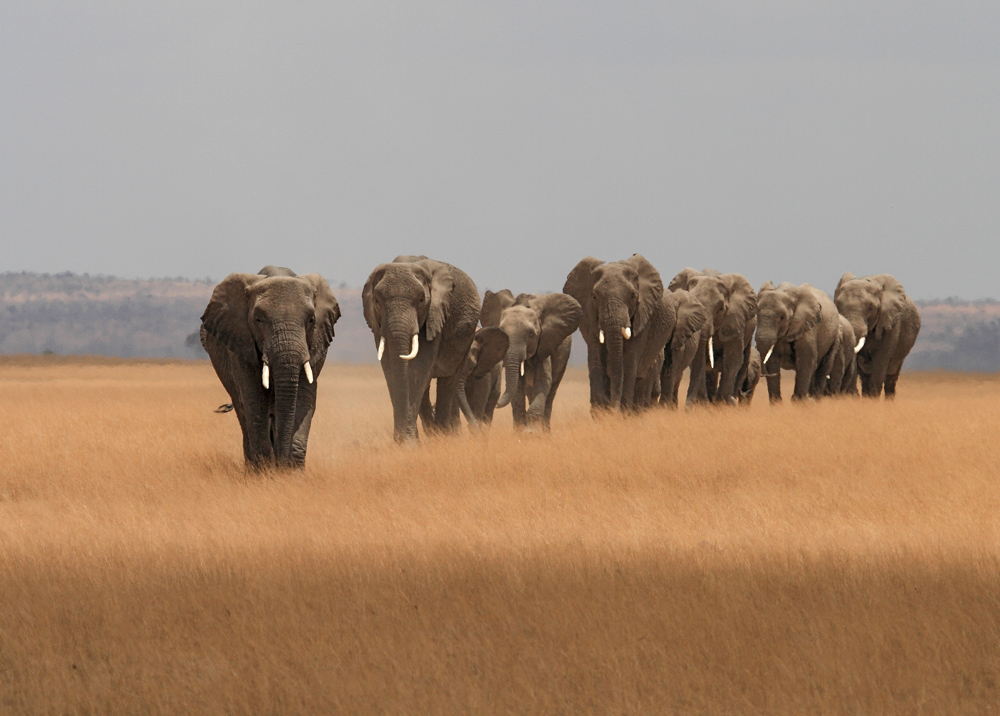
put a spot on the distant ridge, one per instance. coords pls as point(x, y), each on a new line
point(69, 313)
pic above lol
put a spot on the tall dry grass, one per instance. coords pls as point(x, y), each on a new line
point(839, 557)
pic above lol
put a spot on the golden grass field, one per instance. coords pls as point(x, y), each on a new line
point(832, 558)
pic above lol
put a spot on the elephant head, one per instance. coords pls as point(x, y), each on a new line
point(279, 326)
point(489, 345)
point(728, 298)
point(404, 297)
point(618, 300)
point(536, 326)
point(872, 304)
point(691, 317)
point(784, 313)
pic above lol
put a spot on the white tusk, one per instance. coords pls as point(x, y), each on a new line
point(861, 344)
point(711, 354)
point(627, 332)
point(600, 336)
point(265, 377)
point(522, 368)
point(413, 351)
point(381, 348)
point(769, 352)
point(309, 372)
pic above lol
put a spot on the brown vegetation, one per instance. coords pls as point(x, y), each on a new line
point(840, 557)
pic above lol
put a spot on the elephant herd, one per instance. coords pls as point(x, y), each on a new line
point(267, 335)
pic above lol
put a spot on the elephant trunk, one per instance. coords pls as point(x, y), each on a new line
point(616, 324)
point(402, 331)
point(767, 337)
point(286, 357)
point(513, 370)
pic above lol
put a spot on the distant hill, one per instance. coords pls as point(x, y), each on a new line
point(69, 313)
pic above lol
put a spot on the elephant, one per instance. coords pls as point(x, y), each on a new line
point(723, 357)
point(682, 344)
point(479, 385)
point(844, 373)
point(886, 324)
point(798, 328)
point(622, 306)
point(423, 315)
point(540, 330)
point(267, 335)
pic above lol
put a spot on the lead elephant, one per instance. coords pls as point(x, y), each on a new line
point(267, 336)
point(423, 316)
point(886, 324)
point(798, 328)
point(539, 328)
point(720, 366)
point(621, 301)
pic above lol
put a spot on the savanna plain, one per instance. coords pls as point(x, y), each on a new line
point(840, 557)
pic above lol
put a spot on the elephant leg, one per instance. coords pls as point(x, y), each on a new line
point(600, 391)
point(305, 407)
point(890, 385)
point(559, 362)
point(426, 411)
point(880, 364)
point(805, 370)
point(409, 391)
point(698, 386)
point(446, 406)
point(538, 392)
point(732, 359)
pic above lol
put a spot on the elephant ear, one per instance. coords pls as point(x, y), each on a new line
point(891, 307)
point(441, 285)
point(327, 314)
point(580, 285)
point(373, 317)
point(691, 317)
point(741, 306)
point(559, 314)
point(680, 281)
point(227, 316)
point(650, 292)
point(488, 348)
point(768, 286)
point(806, 314)
point(493, 305)
point(843, 279)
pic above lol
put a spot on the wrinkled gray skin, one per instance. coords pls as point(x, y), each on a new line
point(614, 297)
point(682, 345)
point(755, 369)
point(732, 319)
point(887, 319)
point(481, 376)
point(439, 304)
point(800, 326)
point(539, 329)
point(281, 320)
point(844, 373)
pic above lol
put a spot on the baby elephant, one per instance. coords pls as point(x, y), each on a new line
point(539, 329)
point(267, 335)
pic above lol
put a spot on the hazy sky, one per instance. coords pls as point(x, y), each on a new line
point(783, 140)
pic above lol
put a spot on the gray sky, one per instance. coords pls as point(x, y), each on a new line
point(782, 140)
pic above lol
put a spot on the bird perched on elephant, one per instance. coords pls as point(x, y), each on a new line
point(885, 322)
point(423, 315)
point(720, 366)
point(798, 328)
point(481, 376)
point(844, 373)
point(267, 335)
point(540, 329)
point(621, 302)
